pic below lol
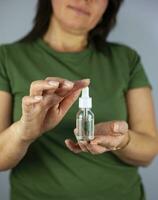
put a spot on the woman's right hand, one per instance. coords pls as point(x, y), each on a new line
point(48, 102)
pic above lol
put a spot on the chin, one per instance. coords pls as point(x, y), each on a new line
point(76, 27)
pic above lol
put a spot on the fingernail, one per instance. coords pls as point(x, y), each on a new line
point(86, 80)
point(116, 127)
point(124, 127)
point(53, 83)
point(121, 127)
point(38, 97)
point(68, 84)
point(75, 131)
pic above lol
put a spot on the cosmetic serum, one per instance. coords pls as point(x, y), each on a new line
point(85, 117)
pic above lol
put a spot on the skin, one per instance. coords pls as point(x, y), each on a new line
point(76, 23)
point(142, 130)
point(42, 110)
point(68, 32)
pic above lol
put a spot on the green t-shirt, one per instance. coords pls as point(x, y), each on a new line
point(49, 170)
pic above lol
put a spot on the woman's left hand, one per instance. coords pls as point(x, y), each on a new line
point(109, 136)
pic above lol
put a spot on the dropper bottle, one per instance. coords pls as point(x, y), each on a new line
point(85, 117)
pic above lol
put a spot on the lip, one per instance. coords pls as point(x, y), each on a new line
point(79, 10)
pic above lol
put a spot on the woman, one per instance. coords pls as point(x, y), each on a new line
point(41, 78)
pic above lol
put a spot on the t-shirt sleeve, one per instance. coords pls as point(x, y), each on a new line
point(4, 80)
point(137, 74)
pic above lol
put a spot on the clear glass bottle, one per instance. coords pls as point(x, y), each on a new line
point(85, 117)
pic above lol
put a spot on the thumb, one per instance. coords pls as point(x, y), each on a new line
point(111, 127)
point(120, 127)
point(69, 100)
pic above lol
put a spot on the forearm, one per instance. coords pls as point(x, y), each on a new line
point(140, 151)
point(12, 148)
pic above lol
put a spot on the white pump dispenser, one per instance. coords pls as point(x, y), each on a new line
point(85, 101)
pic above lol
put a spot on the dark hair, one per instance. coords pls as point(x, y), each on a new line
point(97, 35)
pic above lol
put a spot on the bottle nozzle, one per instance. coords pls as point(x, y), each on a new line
point(85, 92)
point(85, 101)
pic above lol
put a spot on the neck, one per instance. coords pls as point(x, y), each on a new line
point(62, 40)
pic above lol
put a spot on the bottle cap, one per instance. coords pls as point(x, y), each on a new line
point(85, 101)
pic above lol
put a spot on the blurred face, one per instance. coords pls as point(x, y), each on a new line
point(79, 16)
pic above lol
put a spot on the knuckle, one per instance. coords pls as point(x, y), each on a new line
point(35, 83)
point(48, 100)
point(125, 124)
point(32, 84)
point(48, 78)
point(24, 99)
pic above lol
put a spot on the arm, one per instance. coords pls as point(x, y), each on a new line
point(38, 116)
point(143, 146)
point(12, 149)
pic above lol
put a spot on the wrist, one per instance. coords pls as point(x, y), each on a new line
point(125, 143)
point(19, 134)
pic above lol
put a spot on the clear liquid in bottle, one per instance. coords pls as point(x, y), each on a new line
point(85, 117)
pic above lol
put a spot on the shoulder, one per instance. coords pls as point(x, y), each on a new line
point(14, 48)
point(123, 56)
point(119, 49)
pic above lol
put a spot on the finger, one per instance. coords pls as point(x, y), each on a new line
point(80, 84)
point(108, 142)
point(28, 103)
point(105, 141)
point(77, 84)
point(97, 140)
point(76, 134)
point(58, 79)
point(75, 131)
point(51, 100)
point(68, 101)
point(85, 146)
point(111, 128)
point(82, 145)
point(96, 149)
point(37, 87)
point(67, 87)
point(72, 95)
point(120, 127)
point(104, 128)
point(73, 146)
point(64, 85)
